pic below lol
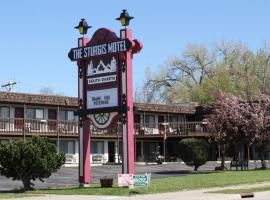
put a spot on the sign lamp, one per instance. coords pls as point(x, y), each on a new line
point(124, 18)
point(83, 27)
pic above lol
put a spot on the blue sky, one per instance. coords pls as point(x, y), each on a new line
point(36, 36)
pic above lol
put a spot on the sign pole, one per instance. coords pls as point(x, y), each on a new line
point(127, 101)
point(84, 123)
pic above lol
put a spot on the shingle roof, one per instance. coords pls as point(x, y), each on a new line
point(54, 100)
point(23, 98)
point(165, 108)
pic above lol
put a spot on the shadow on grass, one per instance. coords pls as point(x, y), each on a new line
point(15, 191)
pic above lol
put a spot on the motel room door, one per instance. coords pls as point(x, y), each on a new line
point(19, 115)
point(111, 151)
point(52, 117)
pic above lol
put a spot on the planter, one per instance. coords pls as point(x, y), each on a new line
point(106, 182)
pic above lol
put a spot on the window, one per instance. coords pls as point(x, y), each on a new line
point(67, 146)
point(66, 115)
point(4, 112)
point(4, 141)
point(97, 147)
point(33, 113)
point(173, 121)
point(182, 118)
point(150, 121)
point(4, 117)
point(39, 114)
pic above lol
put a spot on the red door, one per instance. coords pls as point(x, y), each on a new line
point(19, 115)
point(52, 117)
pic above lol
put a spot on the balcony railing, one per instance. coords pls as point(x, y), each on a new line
point(20, 126)
point(111, 131)
point(170, 129)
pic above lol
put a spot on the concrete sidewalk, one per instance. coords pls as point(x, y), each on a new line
point(202, 194)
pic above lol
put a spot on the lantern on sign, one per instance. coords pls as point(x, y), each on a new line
point(83, 27)
point(124, 18)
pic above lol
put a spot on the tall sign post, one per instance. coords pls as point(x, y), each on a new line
point(105, 91)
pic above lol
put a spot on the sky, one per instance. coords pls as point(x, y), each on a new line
point(36, 36)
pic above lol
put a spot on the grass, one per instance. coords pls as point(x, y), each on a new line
point(246, 190)
point(194, 181)
point(189, 182)
point(15, 195)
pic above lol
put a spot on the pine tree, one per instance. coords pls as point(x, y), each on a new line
point(29, 160)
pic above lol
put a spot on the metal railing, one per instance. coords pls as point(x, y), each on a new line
point(170, 129)
point(20, 126)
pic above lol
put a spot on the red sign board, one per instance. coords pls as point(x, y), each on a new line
point(103, 56)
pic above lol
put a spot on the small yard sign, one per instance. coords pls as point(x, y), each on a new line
point(125, 180)
point(141, 180)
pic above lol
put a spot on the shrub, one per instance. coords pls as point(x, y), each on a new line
point(29, 160)
point(193, 151)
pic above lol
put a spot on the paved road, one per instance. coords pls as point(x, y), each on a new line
point(68, 176)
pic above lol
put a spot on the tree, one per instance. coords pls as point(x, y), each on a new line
point(259, 124)
point(193, 151)
point(46, 90)
point(218, 124)
point(263, 71)
point(240, 122)
point(30, 160)
point(202, 71)
point(180, 75)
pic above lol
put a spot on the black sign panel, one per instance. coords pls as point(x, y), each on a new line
point(99, 50)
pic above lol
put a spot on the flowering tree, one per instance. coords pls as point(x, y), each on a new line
point(240, 122)
point(259, 124)
point(224, 122)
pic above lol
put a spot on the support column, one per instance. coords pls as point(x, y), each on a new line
point(127, 99)
point(86, 151)
point(57, 123)
point(142, 150)
point(84, 122)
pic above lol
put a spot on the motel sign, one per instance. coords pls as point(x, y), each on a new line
point(105, 91)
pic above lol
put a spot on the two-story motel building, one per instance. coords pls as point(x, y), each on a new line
point(25, 115)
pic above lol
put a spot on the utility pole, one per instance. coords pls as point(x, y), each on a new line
point(9, 86)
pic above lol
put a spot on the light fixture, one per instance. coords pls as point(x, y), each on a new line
point(124, 18)
point(83, 27)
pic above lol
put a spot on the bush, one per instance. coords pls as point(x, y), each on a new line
point(29, 160)
point(193, 151)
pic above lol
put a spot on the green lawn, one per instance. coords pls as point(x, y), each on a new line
point(194, 181)
point(15, 195)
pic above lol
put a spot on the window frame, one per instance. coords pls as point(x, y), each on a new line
point(35, 113)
